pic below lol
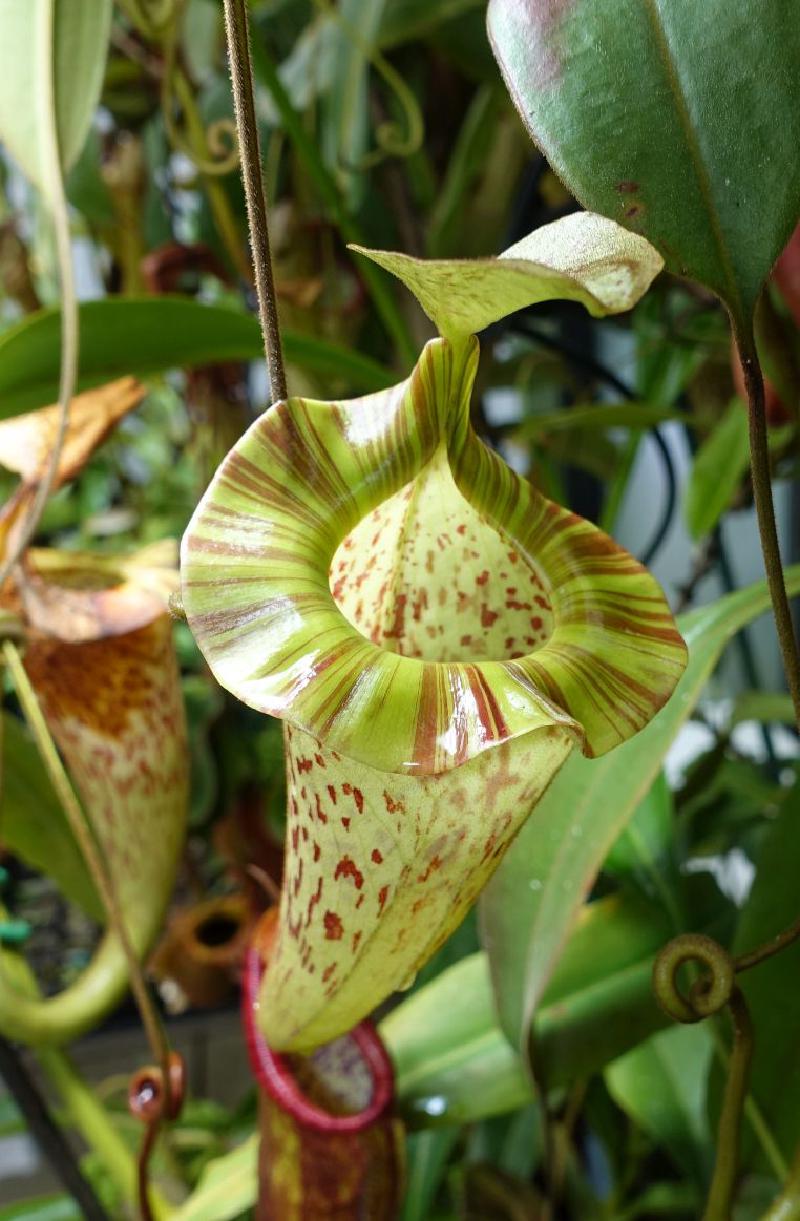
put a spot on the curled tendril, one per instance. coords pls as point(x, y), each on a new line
point(708, 994)
point(213, 149)
point(151, 17)
point(394, 139)
point(153, 1098)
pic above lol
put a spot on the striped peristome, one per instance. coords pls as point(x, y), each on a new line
point(437, 637)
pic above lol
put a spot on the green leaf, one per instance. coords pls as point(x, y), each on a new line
point(648, 834)
point(147, 335)
point(763, 706)
point(32, 823)
point(717, 471)
point(662, 1086)
point(770, 988)
point(454, 1064)
point(581, 815)
point(40, 41)
point(680, 121)
point(227, 1187)
point(595, 415)
point(581, 257)
point(427, 1154)
point(45, 1208)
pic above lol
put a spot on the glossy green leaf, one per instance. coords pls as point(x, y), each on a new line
point(437, 636)
point(763, 706)
point(581, 257)
point(594, 416)
point(228, 1186)
point(44, 1208)
point(662, 1086)
point(454, 1064)
point(427, 1153)
point(147, 335)
point(647, 836)
point(43, 41)
point(531, 902)
point(770, 991)
point(32, 823)
point(680, 121)
point(717, 471)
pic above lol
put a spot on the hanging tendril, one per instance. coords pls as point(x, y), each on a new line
point(394, 138)
point(154, 1098)
point(214, 149)
point(152, 18)
point(708, 994)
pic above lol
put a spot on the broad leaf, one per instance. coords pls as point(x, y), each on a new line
point(645, 110)
point(530, 904)
point(646, 837)
point(581, 257)
point(454, 1064)
point(769, 989)
point(228, 1186)
point(52, 60)
point(150, 335)
point(662, 1086)
point(44, 1208)
point(437, 637)
point(717, 471)
point(32, 823)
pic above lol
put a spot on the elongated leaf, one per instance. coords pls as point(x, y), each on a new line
point(44, 1208)
point(43, 40)
point(662, 1086)
point(531, 902)
point(643, 108)
point(32, 823)
point(717, 471)
point(228, 1186)
point(581, 257)
point(769, 989)
point(437, 637)
point(147, 335)
point(427, 1158)
point(454, 1064)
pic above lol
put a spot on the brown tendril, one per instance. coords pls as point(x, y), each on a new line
point(708, 994)
point(154, 1099)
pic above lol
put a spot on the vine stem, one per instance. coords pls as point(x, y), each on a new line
point(765, 512)
point(46, 1132)
point(85, 838)
point(723, 1183)
point(241, 69)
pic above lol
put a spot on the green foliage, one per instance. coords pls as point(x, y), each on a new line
point(583, 811)
point(681, 124)
point(385, 125)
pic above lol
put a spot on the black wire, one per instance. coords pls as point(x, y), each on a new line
point(46, 1132)
point(593, 365)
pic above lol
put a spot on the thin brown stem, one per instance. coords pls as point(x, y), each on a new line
point(241, 69)
point(765, 510)
point(720, 1197)
point(743, 962)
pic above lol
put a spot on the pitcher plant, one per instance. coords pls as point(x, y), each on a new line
point(435, 634)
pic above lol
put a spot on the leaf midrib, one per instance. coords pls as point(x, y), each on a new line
point(734, 301)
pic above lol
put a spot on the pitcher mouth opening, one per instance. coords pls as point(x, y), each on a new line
point(459, 591)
